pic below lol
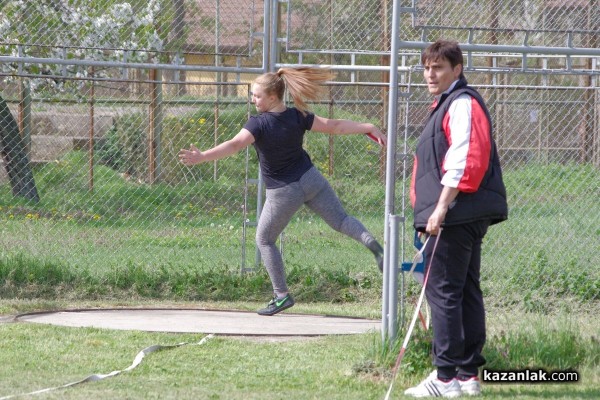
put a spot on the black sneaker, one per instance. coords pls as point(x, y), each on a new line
point(276, 305)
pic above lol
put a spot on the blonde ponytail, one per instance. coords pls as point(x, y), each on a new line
point(302, 83)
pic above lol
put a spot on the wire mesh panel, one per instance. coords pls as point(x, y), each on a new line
point(224, 27)
point(96, 181)
point(535, 23)
point(342, 27)
point(113, 192)
point(126, 31)
point(540, 258)
point(348, 25)
point(577, 16)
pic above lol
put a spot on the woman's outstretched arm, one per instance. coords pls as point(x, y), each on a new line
point(347, 127)
point(194, 156)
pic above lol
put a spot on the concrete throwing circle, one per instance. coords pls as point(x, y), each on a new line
point(205, 321)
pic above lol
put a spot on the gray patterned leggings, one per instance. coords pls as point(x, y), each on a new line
point(280, 206)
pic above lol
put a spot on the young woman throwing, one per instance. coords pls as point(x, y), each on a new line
point(290, 177)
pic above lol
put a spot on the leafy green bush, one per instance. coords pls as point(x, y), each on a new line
point(544, 282)
point(178, 131)
point(110, 152)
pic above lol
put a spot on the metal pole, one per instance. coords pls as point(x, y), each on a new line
point(91, 135)
point(217, 46)
point(390, 178)
point(393, 279)
point(155, 126)
point(274, 51)
point(246, 221)
point(216, 135)
point(404, 197)
point(266, 37)
point(331, 140)
point(270, 48)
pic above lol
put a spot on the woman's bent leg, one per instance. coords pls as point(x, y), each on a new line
point(280, 206)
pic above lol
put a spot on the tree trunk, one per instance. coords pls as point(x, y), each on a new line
point(15, 157)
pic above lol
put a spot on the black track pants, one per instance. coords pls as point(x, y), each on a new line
point(454, 295)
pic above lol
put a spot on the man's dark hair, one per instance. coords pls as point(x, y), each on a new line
point(443, 49)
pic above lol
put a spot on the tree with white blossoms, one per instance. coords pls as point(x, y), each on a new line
point(108, 30)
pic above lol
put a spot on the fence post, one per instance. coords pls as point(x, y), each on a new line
point(155, 127)
point(590, 134)
point(25, 116)
point(596, 119)
point(216, 134)
point(331, 140)
point(392, 321)
point(91, 134)
point(385, 78)
point(390, 179)
point(593, 15)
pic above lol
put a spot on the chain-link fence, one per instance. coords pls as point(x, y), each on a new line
point(102, 96)
point(540, 256)
point(120, 176)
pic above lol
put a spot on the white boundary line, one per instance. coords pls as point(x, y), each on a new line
point(97, 377)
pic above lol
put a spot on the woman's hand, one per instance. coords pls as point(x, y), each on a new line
point(437, 217)
point(377, 136)
point(190, 157)
point(434, 223)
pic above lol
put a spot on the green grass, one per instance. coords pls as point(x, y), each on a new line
point(335, 367)
point(183, 242)
point(130, 243)
point(24, 277)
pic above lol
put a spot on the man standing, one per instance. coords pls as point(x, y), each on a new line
point(456, 186)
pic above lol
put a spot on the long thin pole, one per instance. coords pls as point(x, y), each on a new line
point(416, 314)
point(390, 177)
point(91, 135)
point(393, 279)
